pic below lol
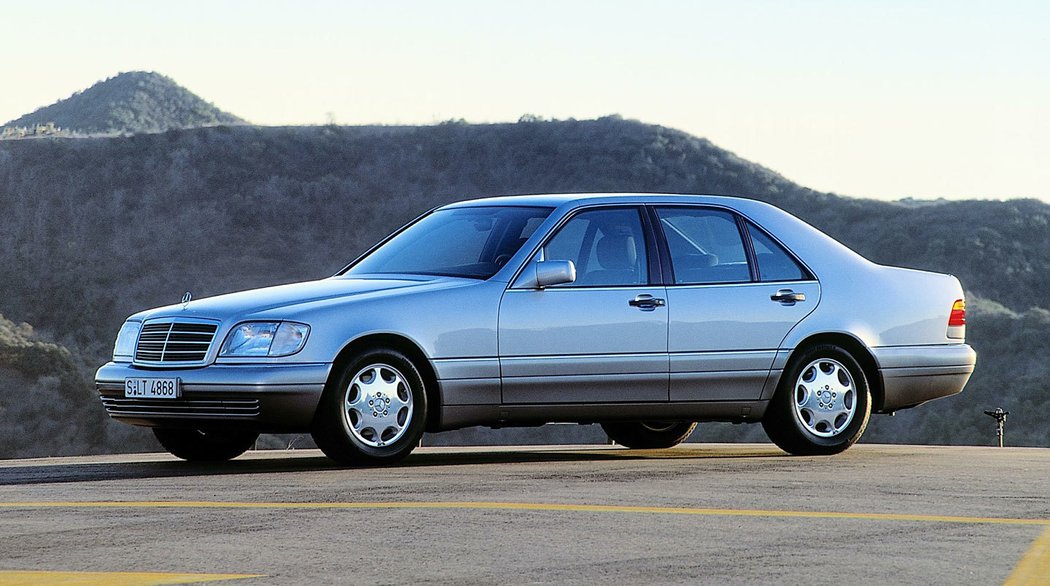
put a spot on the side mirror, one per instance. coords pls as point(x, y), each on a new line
point(545, 273)
point(554, 272)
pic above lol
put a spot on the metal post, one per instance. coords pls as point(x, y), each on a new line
point(1000, 422)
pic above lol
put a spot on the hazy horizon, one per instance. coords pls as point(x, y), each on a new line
point(894, 100)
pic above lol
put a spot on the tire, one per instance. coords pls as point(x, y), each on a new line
point(348, 426)
point(822, 404)
point(194, 445)
point(648, 435)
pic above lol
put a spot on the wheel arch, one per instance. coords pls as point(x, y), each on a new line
point(860, 353)
point(406, 347)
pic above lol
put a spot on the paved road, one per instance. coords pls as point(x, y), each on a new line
point(698, 513)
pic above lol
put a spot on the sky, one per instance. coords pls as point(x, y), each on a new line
point(887, 99)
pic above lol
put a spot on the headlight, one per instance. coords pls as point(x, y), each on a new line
point(124, 347)
point(265, 338)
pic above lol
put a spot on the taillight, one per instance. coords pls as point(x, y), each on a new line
point(958, 314)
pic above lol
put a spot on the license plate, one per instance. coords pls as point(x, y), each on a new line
point(151, 388)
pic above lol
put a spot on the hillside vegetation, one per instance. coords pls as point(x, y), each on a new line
point(99, 228)
point(42, 398)
point(128, 103)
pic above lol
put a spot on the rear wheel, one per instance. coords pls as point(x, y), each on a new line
point(822, 405)
point(648, 434)
point(376, 411)
point(195, 445)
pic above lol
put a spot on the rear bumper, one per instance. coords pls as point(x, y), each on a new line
point(270, 397)
point(912, 375)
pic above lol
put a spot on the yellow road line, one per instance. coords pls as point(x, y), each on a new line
point(511, 506)
point(1034, 567)
point(13, 577)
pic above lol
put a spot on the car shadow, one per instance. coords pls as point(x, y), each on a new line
point(262, 462)
point(100, 471)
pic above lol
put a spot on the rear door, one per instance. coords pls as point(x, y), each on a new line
point(733, 295)
point(590, 341)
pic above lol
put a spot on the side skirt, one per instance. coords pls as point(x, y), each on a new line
point(459, 416)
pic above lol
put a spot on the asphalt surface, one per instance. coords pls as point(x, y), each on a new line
point(698, 513)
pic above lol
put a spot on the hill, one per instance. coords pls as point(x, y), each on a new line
point(96, 229)
point(129, 103)
point(42, 398)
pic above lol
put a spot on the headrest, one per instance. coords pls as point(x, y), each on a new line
point(617, 252)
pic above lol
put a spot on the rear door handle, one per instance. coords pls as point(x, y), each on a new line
point(787, 296)
point(646, 302)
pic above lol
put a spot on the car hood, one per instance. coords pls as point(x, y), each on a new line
point(335, 289)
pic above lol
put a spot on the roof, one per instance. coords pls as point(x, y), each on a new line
point(559, 199)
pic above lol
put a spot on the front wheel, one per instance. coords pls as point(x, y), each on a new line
point(822, 404)
point(195, 445)
point(648, 435)
point(376, 411)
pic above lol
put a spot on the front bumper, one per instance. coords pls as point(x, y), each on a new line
point(265, 397)
point(912, 375)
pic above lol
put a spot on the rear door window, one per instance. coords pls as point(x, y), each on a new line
point(705, 245)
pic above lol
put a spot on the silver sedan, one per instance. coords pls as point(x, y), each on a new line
point(644, 313)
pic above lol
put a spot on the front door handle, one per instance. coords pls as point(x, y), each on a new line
point(646, 302)
point(787, 296)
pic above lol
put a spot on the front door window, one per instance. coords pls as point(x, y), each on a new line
point(607, 247)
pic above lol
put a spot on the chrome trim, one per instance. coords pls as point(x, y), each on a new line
point(213, 406)
point(164, 349)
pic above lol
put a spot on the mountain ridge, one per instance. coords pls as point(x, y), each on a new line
point(127, 103)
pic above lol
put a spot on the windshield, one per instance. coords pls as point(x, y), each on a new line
point(461, 242)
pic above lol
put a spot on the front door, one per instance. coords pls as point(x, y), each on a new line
point(602, 338)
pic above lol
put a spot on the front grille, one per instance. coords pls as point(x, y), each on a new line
point(167, 341)
point(211, 407)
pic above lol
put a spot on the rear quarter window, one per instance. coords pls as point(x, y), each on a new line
point(774, 263)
